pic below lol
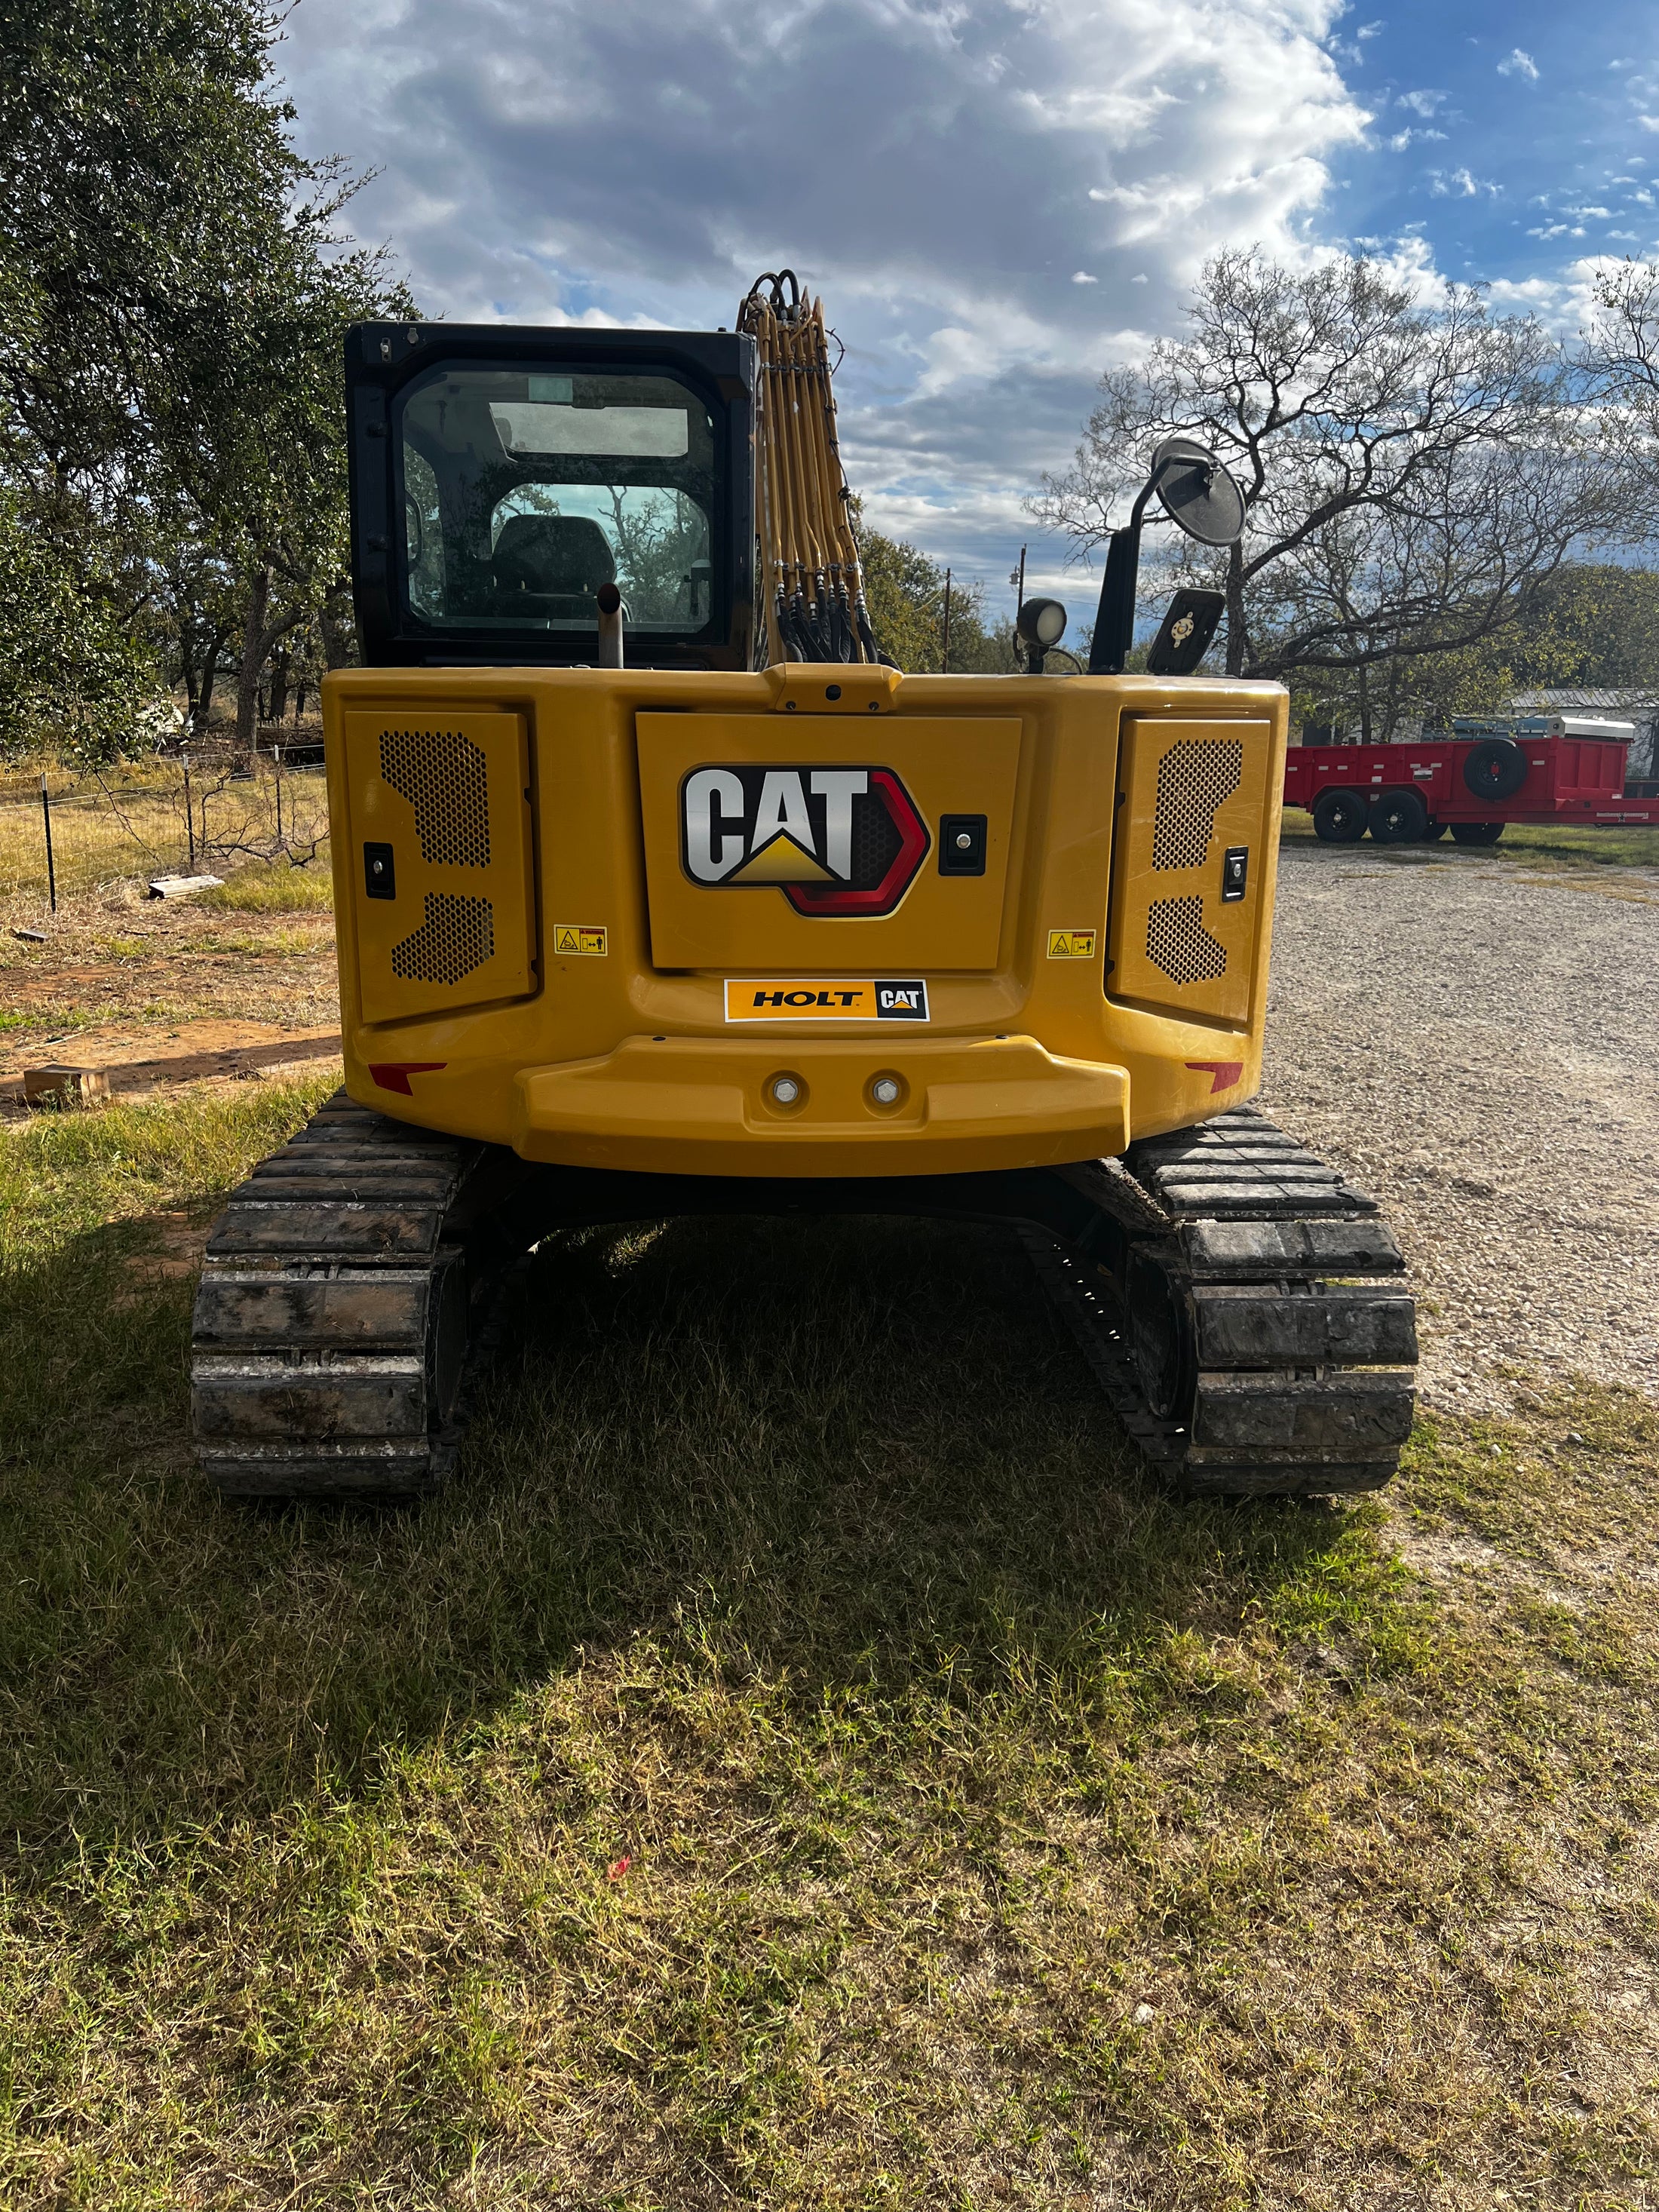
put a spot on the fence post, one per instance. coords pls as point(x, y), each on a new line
point(189, 816)
point(277, 754)
point(51, 870)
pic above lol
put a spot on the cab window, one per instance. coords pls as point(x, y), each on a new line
point(524, 492)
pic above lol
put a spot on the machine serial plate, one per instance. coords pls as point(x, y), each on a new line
point(818, 999)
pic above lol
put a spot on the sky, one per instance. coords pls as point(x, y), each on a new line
point(996, 199)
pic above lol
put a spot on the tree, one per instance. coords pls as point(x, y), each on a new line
point(172, 300)
point(1410, 472)
point(904, 589)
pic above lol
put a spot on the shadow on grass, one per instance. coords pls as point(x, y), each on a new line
point(846, 1455)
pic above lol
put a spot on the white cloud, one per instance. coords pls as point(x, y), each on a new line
point(1401, 139)
point(944, 170)
point(1459, 185)
point(1369, 30)
point(1649, 122)
point(1519, 64)
point(1421, 103)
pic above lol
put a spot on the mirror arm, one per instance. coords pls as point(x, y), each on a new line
point(1114, 617)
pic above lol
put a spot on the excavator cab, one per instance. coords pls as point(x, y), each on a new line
point(658, 891)
point(500, 477)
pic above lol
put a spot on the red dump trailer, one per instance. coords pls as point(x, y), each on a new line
point(1471, 781)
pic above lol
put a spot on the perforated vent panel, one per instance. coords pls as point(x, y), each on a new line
point(458, 935)
point(1195, 777)
point(1178, 944)
point(445, 778)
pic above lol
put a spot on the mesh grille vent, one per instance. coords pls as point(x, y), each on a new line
point(1195, 776)
point(443, 777)
point(1178, 943)
point(458, 935)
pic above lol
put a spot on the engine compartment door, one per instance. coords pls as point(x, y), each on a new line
point(440, 862)
point(1195, 810)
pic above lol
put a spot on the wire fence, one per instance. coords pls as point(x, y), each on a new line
point(201, 812)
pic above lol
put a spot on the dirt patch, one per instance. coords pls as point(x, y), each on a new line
point(120, 957)
point(201, 1051)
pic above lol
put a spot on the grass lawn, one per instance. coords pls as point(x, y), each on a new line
point(1564, 844)
point(803, 1763)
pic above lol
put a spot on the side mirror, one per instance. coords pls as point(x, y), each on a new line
point(1199, 496)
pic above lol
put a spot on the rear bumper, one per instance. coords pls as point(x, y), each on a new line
point(701, 1105)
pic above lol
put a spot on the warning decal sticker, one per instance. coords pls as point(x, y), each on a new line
point(582, 939)
point(814, 999)
point(1071, 943)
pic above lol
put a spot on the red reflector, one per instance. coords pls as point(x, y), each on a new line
point(394, 1074)
point(1226, 1073)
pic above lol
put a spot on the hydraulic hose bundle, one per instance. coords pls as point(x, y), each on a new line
point(811, 585)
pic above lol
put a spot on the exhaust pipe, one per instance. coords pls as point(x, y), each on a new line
point(610, 626)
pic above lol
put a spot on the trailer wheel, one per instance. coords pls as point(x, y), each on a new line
point(1495, 767)
point(1477, 833)
point(1339, 818)
point(1398, 818)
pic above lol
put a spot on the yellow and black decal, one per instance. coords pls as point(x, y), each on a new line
point(816, 999)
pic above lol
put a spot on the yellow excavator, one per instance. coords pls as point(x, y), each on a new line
point(659, 890)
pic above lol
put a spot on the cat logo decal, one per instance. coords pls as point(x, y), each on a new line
point(833, 840)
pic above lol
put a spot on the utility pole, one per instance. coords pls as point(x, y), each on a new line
point(944, 652)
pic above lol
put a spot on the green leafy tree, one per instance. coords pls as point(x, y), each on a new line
point(904, 590)
point(68, 664)
point(172, 300)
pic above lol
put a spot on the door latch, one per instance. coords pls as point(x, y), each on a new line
point(380, 875)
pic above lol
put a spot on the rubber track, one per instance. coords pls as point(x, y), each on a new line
point(1300, 1362)
point(336, 1305)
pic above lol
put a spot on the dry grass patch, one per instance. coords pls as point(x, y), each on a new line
point(802, 1763)
point(276, 887)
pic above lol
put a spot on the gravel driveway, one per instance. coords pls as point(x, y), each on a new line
point(1477, 1041)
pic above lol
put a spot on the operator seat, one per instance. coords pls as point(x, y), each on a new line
point(548, 567)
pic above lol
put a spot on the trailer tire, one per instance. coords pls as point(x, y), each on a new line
point(1434, 831)
point(1477, 833)
point(1398, 818)
point(1495, 767)
point(1339, 818)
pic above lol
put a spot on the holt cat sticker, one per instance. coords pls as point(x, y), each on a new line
point(834, 840)
point(814, 999)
